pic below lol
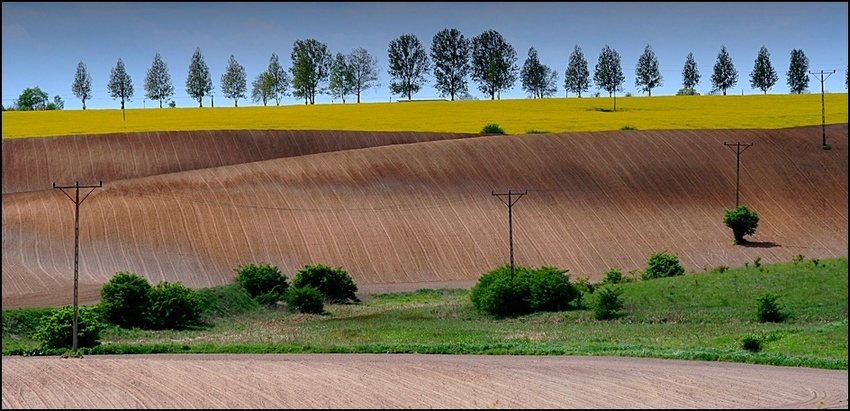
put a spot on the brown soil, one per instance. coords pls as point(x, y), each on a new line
point(410, 381)
point(407, 210)
point(191, 207)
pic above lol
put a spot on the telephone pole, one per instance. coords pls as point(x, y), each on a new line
point(510, 203)
point(823, 105)
point(738, 151)
point(77, 202)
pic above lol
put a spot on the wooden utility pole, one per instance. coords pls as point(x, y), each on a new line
point(738, 151)
point(823, 105)
point(77, 202)
point(510, 203)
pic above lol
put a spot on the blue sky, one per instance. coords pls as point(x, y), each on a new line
point(44, 42)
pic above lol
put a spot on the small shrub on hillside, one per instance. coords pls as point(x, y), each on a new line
point(661, 265)
point(687, 92)
point(528, 290)
point(534, 131)
point(751, 343)
point(628, 127)
point(742, 221)
point(335, 285)
point(225, 300)
point(492, 129)
point(614, 276)
point(607, 302)
point(263, 282)
point(123, 299)
point(767, 309)
point(306, 299)
point(57, 330)
point(173, 306)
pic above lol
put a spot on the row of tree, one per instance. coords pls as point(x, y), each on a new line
point(487, 59)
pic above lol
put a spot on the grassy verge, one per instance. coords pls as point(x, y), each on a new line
point(699, 316)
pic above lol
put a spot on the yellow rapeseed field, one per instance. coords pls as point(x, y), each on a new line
point(515, 116)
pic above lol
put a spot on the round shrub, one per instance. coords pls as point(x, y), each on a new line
point(263, 282)
point(123, 299)
point(492, 129)
point(173, 306)
point(527, 291)
point(767, 309)
point(335, 285)
point(742, 221)
point(661, 265)
point(305, 299)
point(57, 329)
point(607, 303)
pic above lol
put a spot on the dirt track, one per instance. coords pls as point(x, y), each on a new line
point(410, 381)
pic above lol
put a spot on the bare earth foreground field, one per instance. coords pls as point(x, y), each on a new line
point(402, 211)
point(410, 381)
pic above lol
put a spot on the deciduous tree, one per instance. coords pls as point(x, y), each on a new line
point(341, 81)
point(538, 79)
point(608, 74)
point(408, 64)
point(199, 82)
point(493, 63)
point(82, 84)
point(158, 84)
point(262, 89)
point(120, 84)
point(234, 82)
point(279, 79)
point(798, 72)
point(763, 76)
point(577, 76)
point(725, 75)
point(31, 99)
point(365, 69)
point(690, 73)
point(311, 66)
point(647, 74)
point(450, 55)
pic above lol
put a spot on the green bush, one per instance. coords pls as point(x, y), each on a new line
point(263, 282)
point(173, 306)
point(687, 92)
point(57, 329)
point(742, 221)
point(492, 129)
point(335, 285)
point(225, 300)
point(528, 290)
point(23, 321)
point(767, 309)
point(751, 343)
point(123, 299)
point(305, 299)
point(661, 265)
point(607, 302)
point(614, 276)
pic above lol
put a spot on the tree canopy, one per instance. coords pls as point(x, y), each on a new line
point(763, 76)
point(538, 79)
point(158, 84)
point(608, 75)
point(577, 76)
point(450, 56)
point(725, 75)
point(341, 81)
point(408, 64)
point(493, 62)
point(199, 82)
point(120, 84)
point(690, 73)
point(82, 84)
point(798, 72)
point(364, 67)
point(234, 82)
point(31, 99)
point(311, 66)
point(647, 74)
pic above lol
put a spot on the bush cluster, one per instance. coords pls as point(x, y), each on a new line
point(527, 290)
point(335, 285)
point(263, 282)
point(492, 128)
point(57, 329)
point(128, 300)
point(607, 302)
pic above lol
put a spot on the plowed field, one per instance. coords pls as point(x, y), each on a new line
point(407, 210)
point(402, 211)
